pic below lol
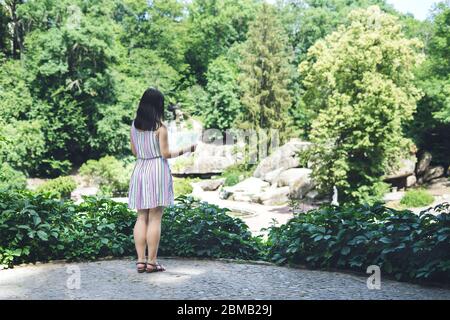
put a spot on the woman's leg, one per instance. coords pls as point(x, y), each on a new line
point(154, 233)
point(140, 231)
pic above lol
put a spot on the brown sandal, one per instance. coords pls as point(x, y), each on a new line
point(141, 269)
point(156, 267)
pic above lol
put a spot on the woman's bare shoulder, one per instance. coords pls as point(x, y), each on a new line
point(162, 127)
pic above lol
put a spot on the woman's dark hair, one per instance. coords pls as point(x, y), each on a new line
point(150, 112)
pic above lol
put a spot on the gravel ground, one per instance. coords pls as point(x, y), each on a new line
point(196, 279)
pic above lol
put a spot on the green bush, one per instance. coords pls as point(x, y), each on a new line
point(235, 174)
point(109, 173)
point(416, 198)
point(37, 227)
point(182, 186)
point(60, 187)
point(198, 229)
point(404, 245)
point(11, 179)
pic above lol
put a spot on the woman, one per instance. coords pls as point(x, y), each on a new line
point(151, 186)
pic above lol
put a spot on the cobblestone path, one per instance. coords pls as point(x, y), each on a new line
point(196, 279)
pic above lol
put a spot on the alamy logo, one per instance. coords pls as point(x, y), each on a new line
point(374, 281)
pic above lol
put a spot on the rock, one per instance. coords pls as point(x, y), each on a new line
point(300, 187)
point(291, 176)
point(433, 173)
point(274, 196)
point(423, 163)
point(272, 176)
point(224, 194)
point(406, 168)
point(211, 185)
point(247, 189)
point(250, 185)
point(208, 159)
point(411, 181)
point(313, 196)
point(284, 157)
point(243, 197)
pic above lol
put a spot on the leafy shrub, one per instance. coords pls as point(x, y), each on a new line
point(403, 244)
point(11, 179)
point(109, 173)
point(60, 187)
point(198, 229)
point(235, 174)
point(416, 198)
point(37, 227)
point(182, 187)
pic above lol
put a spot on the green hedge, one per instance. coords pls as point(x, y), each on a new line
point(198, 229)
point(60, 187)
point(37, 227)
point(110, 174)
point(404, 245)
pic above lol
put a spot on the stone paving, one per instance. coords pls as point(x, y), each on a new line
point(197, 279)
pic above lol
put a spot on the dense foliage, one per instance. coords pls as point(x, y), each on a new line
point(111, 175)
point(71, 73)
point(266, 73)
point(205, 230)
point(60, 188)
point(403, 244)
point(37, 227)
point(431, 125)
point(360, 82)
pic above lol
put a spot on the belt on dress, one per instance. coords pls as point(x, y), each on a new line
point(149, 158)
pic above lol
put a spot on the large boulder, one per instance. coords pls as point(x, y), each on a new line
point(411, 181)
point(211, 185)
point(433, 173)
point(274, 196)
point(273, 176)
point(291, 176)
point(297, 179)
point(246, 190)
point(284, 157)
point(423, 163)
point(405, 168)
point(208, 159)
point(301, 187)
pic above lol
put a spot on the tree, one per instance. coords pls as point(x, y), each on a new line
point(265, 73)
point(360, 82)
point(11, 27)
point(222, 106)
point(69, 56)
point(213, 27)
point(431, 126)
point(158, 25)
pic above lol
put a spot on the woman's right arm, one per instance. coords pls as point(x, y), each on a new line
point(164, 145)
point(133, 150)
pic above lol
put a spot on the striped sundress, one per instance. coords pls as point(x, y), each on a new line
point(151, 182)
